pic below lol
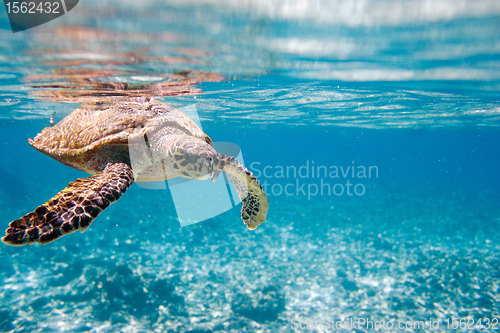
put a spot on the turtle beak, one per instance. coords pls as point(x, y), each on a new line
point(215, 175)
point(217, 171)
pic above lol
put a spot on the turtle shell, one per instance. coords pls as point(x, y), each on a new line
point(101, 132)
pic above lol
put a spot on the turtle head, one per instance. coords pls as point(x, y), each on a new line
point(194, 159)
point(200, 165)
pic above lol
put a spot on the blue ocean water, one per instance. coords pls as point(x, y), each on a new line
point(371, 125)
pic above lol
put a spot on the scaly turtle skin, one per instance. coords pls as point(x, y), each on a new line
point(118, 144)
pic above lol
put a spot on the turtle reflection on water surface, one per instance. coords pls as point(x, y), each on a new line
point(95, 138)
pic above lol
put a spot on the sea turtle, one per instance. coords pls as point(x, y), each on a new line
point(96, 138)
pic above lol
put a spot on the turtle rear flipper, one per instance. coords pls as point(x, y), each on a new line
point(255, 202)
point(74, 208)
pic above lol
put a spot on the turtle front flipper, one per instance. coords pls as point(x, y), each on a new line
point(74, 208)
point(255, 202)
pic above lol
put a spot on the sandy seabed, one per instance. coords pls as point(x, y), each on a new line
point(397, 254)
